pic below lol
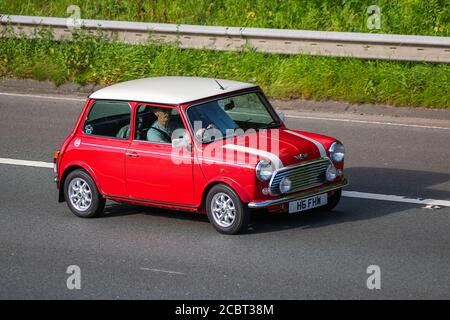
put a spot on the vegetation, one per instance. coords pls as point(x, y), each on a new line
point(430, 17)
point(95, 60)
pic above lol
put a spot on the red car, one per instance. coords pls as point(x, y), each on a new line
point(195, 144)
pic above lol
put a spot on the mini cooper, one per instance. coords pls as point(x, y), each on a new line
point(195, 144)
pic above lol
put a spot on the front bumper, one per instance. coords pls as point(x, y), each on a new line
point(298, 196)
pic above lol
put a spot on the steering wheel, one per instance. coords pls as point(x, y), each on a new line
point(202, 133)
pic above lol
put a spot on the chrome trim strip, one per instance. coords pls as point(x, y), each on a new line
point(298, 196)
point(103, 146)
point(300, 164)
point(168, 154)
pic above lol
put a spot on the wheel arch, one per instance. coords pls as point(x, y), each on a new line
point(70, 168)
point(242, 194)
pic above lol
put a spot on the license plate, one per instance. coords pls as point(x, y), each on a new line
point(308, 203)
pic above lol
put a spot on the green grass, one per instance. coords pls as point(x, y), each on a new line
point(430, 17)
point(94, 60)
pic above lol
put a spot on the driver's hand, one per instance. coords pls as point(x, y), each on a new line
point(200, 132)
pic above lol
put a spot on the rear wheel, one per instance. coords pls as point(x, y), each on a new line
point(226, 212)
point(82, 196)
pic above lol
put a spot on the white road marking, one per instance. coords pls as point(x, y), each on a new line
point(368, 122)
point(287, 116)
point(348, 194)
point(164, 271)
point(40, 97)
point(39, 164)
point(385, 197)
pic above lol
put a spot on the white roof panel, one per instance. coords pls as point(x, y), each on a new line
point(168, 90)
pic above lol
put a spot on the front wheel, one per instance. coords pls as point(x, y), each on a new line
point(82, 196)
point(333, 201)
point(225, 210)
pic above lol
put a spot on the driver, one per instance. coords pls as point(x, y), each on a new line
point(161, 130)
point(210, 121)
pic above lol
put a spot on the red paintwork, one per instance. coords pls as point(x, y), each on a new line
point(153, 179)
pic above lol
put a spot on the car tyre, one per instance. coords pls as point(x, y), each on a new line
point(226, 212)
point(333, 201)
point(82, 196)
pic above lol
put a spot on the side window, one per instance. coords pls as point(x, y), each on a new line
point(157, 124)
point(108, 119)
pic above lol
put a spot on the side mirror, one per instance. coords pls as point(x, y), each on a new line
point(282, 116)
point(229, 106)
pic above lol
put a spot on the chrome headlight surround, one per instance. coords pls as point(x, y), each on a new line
point(285, 185)
point(331, 173)
point(264, 170)
point(337, 151)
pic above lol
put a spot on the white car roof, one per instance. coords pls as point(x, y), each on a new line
point(168, 90)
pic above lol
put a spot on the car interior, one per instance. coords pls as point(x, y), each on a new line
point(145, 118)
point(106, 126)
point(117, 125)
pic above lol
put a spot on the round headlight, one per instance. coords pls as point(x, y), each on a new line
point(331, 173)
point(337, 151)
point(264, 170)
point(285, 185)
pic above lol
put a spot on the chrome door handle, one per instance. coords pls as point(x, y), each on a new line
point(134, 155)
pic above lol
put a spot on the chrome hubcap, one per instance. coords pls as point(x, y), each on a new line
point(80, 194)
point(223, 209)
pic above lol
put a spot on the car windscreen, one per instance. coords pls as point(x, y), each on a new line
point(245, 111)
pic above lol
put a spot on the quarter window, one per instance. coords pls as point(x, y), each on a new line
point(108, 119)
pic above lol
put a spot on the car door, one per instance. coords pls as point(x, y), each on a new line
point(102, 145)
point(155, 171)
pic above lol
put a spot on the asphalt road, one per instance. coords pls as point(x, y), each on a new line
point(146, 253)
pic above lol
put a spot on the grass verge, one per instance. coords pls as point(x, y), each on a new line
point(95, 60)
point(431, 17)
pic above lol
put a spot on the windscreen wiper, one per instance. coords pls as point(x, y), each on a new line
point(270, 125)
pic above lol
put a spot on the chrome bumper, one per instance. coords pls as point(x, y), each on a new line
point(298, 196)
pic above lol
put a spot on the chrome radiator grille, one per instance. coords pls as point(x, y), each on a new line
point(303, 176)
